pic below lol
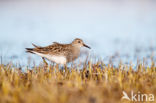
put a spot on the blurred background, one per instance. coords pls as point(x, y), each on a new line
point(118, 29)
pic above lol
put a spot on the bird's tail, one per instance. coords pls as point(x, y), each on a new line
point(30, 50)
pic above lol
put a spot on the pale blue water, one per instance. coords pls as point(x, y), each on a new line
point(126, 29)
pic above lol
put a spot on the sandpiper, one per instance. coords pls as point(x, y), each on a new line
point(59, 53)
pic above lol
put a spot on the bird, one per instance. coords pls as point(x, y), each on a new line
point(59, 53)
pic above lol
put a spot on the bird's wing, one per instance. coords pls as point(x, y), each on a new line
point(55, 48)
point(36, 46)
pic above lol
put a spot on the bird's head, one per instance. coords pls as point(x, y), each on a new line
point(79, 43)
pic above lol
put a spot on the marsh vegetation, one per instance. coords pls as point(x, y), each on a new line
point(94, 83)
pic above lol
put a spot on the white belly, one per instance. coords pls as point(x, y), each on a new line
point(56, 59)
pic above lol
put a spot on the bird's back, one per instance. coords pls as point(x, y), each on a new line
point(59, 53)
point(54, 49)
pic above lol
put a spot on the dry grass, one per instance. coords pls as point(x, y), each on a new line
point(95, 83)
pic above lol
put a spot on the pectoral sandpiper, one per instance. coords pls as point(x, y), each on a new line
point(59, 53)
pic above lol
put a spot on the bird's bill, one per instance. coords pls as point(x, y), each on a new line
point(86, 46)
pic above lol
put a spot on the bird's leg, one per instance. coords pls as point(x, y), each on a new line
point(45, 61)
point(57, 66)
point(65, 67)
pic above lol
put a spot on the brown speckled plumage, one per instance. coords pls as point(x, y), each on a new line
point(69, 51)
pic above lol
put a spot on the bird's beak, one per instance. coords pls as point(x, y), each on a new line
point(86, 46)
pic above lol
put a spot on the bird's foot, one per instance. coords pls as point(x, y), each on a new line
point(45, 63)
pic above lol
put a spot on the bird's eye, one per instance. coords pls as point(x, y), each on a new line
point(79, 42)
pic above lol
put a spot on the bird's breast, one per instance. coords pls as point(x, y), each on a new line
point(74, 54)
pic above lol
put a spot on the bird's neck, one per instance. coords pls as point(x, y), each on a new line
point(76, 50)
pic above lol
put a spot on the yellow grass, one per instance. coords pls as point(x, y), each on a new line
point(95, 83)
